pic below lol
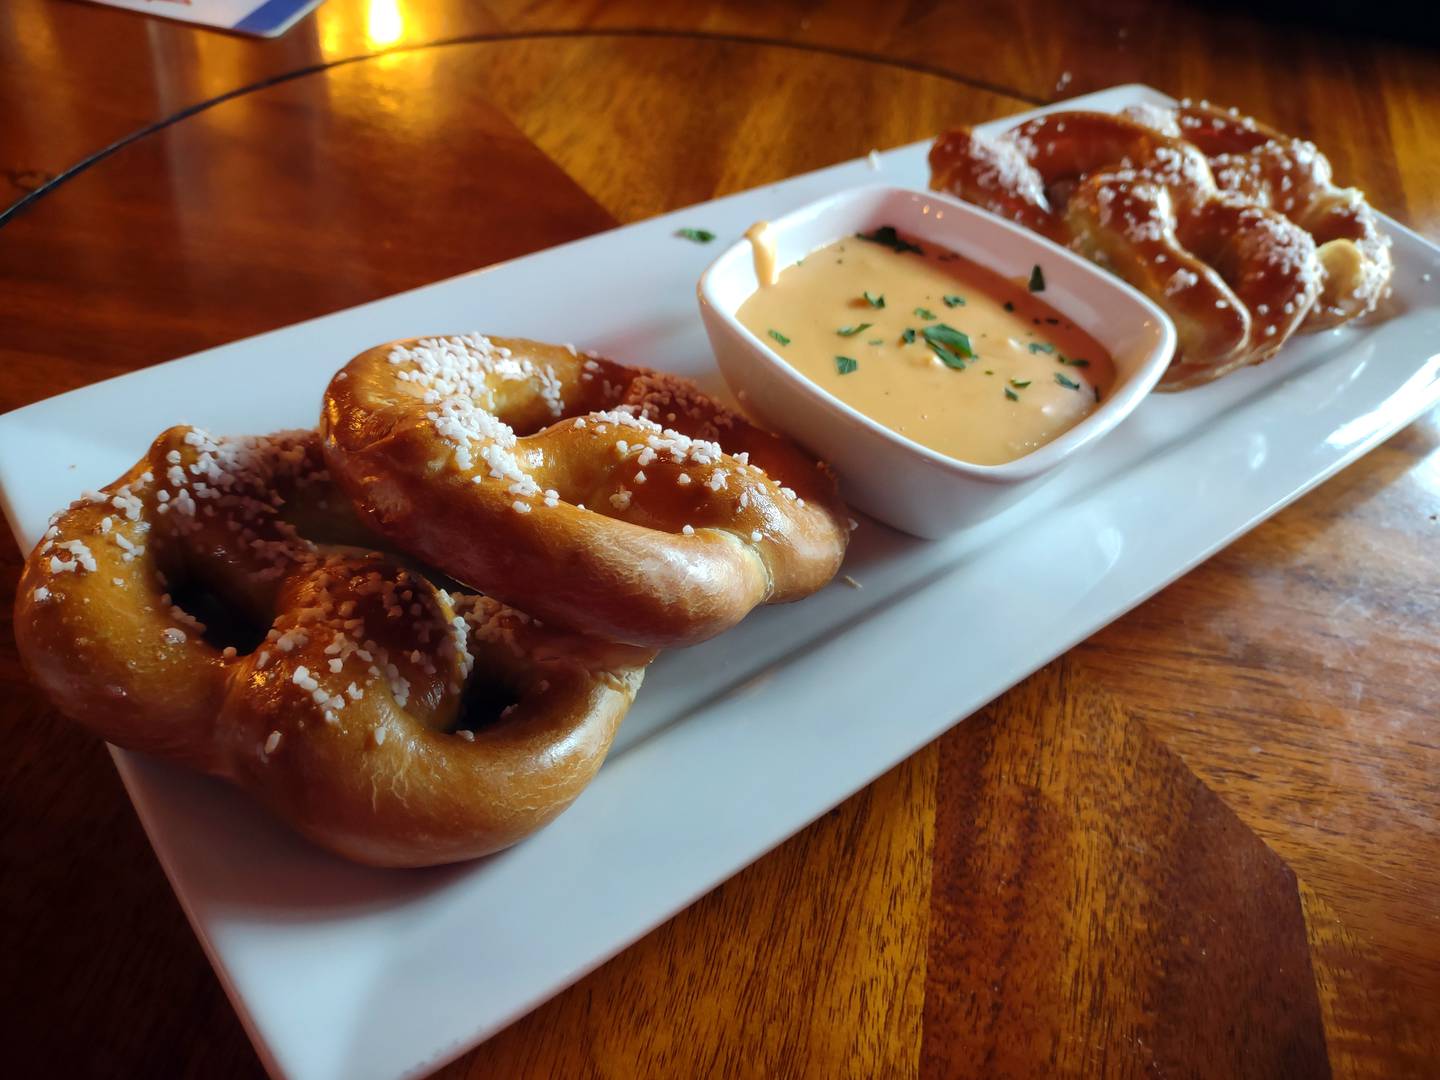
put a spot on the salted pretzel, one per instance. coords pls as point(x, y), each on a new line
point(613, 500)
point(1269, 168)
point(1238, 278)
point(210, 607)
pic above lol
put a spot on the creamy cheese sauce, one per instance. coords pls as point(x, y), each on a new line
point(762, 243)
point(933, 346)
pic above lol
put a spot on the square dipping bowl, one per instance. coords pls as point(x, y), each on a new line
point(882, 472)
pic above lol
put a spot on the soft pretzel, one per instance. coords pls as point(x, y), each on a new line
point(616, 501)
point(1272, 169)
point(1237, 278)
point(339, 686)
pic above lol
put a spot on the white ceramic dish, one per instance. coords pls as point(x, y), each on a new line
point(341, 972)
point(890, 477)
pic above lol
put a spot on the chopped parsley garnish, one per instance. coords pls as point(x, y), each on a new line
point(950, 345)
point(924, 313)
point(876, 341)
point(781, 338)
point(1009, 306)
point(1037, 279)
point(948, 358)
point(886, 236)
point(846, 364)
point(940, 334)
point(954, 301)
point(873, 300)
point(1036, 347)
point(851, 331)
point(1019, 384)
point(1011, 394)
point(989, 371)
point(700, 236)
point(908, 336)
point(1073, 363)
point(1067, 383)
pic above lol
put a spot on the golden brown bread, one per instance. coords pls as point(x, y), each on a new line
point(1271, 169)
point(1237, 276)
point(616, 501)
point(335, 683)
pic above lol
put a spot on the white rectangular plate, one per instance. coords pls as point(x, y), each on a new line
point(338, 971)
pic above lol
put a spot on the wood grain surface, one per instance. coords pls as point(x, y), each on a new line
point(1026, 896)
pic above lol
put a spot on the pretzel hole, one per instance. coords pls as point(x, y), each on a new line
point(226, 624)
point(1058, 192)
point(483, 702)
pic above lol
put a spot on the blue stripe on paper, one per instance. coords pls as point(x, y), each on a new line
point(272, 16)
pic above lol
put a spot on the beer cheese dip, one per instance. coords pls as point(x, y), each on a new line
point(930, 344)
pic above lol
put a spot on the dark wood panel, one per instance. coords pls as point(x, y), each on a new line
point(1097, 911)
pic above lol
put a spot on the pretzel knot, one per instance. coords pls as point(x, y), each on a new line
point(613, 500)
point(1269, 168)
point(1237, 277)
point(212, 607)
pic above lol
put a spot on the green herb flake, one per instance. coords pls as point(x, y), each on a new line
point(908, 336)
point(1019, 384)
point(948, 358)
point(846, 364)
point(1097, 394)
point(699, 236)
point(781, 338)
point(954, 301)
point(876, 341)
point(1067, 383)
point(1011, 394)
point(925, 313)
point(873, 300)
point(1036, 347)
point(851, 331)
point(989, 371)
point(948, 336)
point(1075, 363)
point(1037, 279)
point(886, 236)
point(1009, 306)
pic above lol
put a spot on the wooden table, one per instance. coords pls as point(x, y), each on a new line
point(1205, 842)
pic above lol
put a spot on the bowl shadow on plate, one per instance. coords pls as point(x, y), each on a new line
point(851, 607)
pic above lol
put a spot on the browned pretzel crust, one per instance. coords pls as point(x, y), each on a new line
point(345, 717)
point(616, 501)
point(1235, 273)
point(1290, 175)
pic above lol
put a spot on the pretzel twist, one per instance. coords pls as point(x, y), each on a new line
point(1237, 278)
point(1271, 169)
point(348, 715)
point(616, 501)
